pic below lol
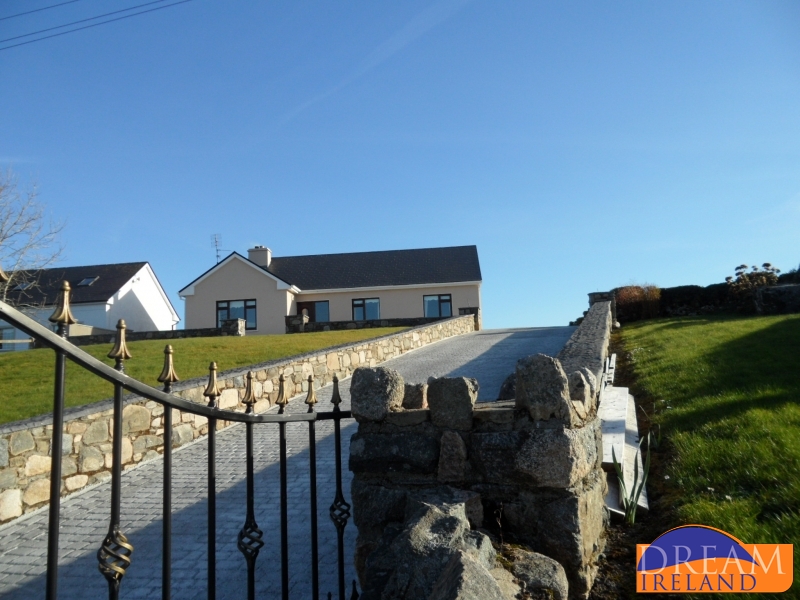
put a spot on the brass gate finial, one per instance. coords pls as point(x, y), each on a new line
point(249, 395)
point(62, 315)
point(311, 398)
point(3, 277)
point(212, 389)
point(168, 375)
point(120, 349)
point(336, 399)
point(281, 401)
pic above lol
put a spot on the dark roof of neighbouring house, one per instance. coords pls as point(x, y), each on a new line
point(376, 269)
point(110, 278)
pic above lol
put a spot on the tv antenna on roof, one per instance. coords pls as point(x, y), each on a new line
point(216, 241)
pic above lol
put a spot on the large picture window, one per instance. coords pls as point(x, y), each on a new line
point(318, 312)
point(237, 309)
point(440, 305)
point(366, 309)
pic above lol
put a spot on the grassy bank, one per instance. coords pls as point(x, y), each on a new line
point(26, 378)
point(726, 394)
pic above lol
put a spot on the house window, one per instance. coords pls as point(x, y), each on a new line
point(87, 281)
point(318, 312)
point(23, 286)
point(366, 309)
point(237, 309)
point(438, 306)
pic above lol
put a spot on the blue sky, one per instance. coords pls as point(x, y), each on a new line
point(579, 145)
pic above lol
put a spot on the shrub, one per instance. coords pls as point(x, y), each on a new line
point(635, 302)
point(743, 286)
point(791, 276)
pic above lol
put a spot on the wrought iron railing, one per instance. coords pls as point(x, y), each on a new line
point(116, 551)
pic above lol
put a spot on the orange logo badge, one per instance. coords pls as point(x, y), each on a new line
point(697, 558)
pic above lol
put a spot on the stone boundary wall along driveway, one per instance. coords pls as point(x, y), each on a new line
point(230, 327)
point(588, 346)
point(297, 324)
point(25, 445)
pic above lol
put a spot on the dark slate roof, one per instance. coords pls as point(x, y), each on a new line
point(373, 269)
point(110, 278)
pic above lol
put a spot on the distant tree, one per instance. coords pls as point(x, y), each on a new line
point(29, 238)
point(744, 284)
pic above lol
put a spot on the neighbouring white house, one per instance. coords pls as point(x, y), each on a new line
point(100, 296)
point(358, 286)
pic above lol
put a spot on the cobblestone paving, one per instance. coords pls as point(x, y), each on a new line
point(487, 355)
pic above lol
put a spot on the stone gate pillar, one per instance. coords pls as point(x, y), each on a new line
point(535, 461)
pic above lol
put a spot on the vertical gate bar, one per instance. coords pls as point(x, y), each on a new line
point(55, 478)
point(116, 469)
point(312, 457)
point(115, 552)
point(212, 511)
point(212, 392)
point(311, 400)
point(340, 509)
point(63, 317)
point(167, 377)
point(282, 400)
point(250, 541)
point(284, 518)
point(251, 564)
point(339, 530)
point(166, 550)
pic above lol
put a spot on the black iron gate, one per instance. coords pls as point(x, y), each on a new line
point(116, 551)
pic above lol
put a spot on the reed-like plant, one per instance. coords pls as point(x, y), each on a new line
point(655, 439)
point(630, 497)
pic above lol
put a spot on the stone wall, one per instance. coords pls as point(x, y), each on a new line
point(536, 461)
point(475, 312)
point(595, 297)
point(299, 324)
point(25, 445)
point(235, 327)
point(588, 345)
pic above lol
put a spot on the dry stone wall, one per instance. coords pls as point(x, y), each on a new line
point(234, 327)
point(588, 346)
point(536, 460)
point(25, 461)
point(301, 324)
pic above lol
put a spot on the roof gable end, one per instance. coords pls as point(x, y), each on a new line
point(282, 284)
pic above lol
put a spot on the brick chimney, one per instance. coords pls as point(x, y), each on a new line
point(261, 255)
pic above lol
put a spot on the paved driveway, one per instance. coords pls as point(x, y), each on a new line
point(487, 355)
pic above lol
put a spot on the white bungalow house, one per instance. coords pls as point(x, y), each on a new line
point(100, 296)
point(358, 286)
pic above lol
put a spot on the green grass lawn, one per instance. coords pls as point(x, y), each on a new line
point(26, 378)
point(726, 393)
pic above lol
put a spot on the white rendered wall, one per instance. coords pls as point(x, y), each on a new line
point(142, 303)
